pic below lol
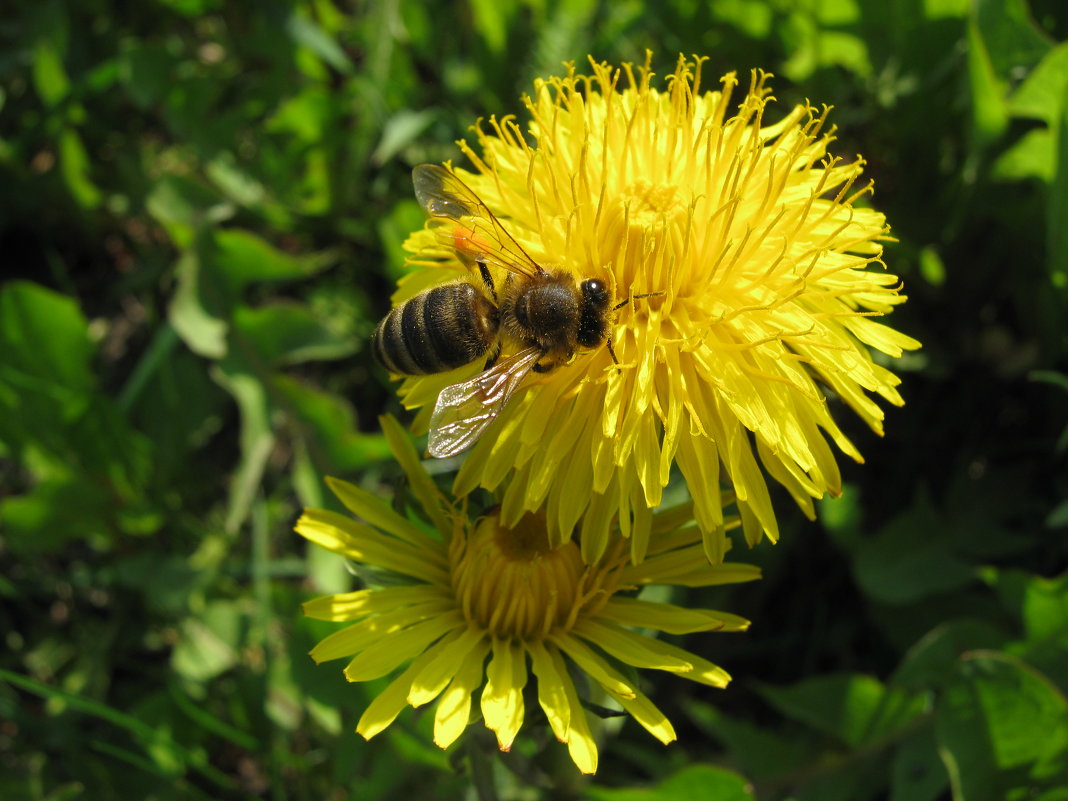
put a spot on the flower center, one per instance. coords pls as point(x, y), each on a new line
point(509, 582)
point(649, 203)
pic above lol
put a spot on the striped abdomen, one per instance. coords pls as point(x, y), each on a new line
point(437, 330)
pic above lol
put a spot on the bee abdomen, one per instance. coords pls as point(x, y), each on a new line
point(437, 330)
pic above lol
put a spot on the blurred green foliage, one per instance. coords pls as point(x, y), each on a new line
point(201, 211)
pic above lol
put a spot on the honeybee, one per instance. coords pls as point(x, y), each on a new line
point(551, 314)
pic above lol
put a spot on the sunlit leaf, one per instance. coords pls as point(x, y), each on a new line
point(855, 709)
point(74, 162)
point(309, 34)
point(49, 76)
point(1041, 94)
point(998, 715)
point(286, 333)
point(693, 781)
point(198, 317)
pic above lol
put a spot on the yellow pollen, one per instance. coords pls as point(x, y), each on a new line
point(509, 582)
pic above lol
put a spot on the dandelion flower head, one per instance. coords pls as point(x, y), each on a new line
point(481, 610)
point(771, 279)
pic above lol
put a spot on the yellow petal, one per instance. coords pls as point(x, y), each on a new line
point(580, 743)
point(685, 567)
point(593, 664)
point(453, 711)
point(354, 605)
point(384, 709)
point(359, 542)
point(502, 699)
point(667, 617)
point(629, 647)
point(419, 481)
point(646, 713)
point(353, 639)
point(377, 513)
point(449, 658)
point(390, 652)
point(552, 690)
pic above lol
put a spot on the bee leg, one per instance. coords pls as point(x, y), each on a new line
point(611, 351)
point(488, 279)
point(492, 360)
point(542, 368)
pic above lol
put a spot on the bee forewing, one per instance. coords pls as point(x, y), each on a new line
point(430, 181)
point(464, 411)
point(478, 235)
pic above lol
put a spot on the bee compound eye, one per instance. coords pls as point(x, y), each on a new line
point(594, 290)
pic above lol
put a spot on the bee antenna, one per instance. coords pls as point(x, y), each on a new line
point(621, 304)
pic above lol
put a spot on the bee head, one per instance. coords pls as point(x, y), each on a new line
point(593, 318)
point(595, 293)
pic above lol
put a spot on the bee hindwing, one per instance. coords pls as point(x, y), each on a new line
point(464, 411)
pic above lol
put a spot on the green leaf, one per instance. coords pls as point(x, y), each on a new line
point(52, 514)
point(1041, 603)
point(401, 130)
point(168, 755)
point(44, 337)
point(307, 115)
point(146, 71)
point(197, 313)
point(751, 17)
point(1057, 208)
point(1041, 94)
point(910, 559)
point(1058, 517)
point(852, 708)
point(491, 22)
point(1031, 156)
point(989, 114)
point(917, 774)
point(307, 33)
point(932, 268)
point(331, 427)
point(234, 181)
point(193, 8)
point(182, 205)
point(244, 258)
point(393, 229)
point(209, 643)
point(257, 436)
point(287, 333)
point(74, 165)
point(691, 782)
point(1010, 36)
point(49, 76)
point(997, 716)
point(932, 661)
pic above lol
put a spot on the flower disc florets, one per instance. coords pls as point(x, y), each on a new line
point(769, 277)
point(484, 608)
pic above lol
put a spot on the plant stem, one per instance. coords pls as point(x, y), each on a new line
point(481, 762)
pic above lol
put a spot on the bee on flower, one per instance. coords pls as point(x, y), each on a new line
point(763, 276)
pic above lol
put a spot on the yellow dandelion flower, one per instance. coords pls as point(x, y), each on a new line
point(771, 279)
point(485, 606)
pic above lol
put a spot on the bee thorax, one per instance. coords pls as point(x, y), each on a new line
point(546, 315)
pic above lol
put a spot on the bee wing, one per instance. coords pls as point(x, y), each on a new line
point(464, 411)
point(477, 234)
